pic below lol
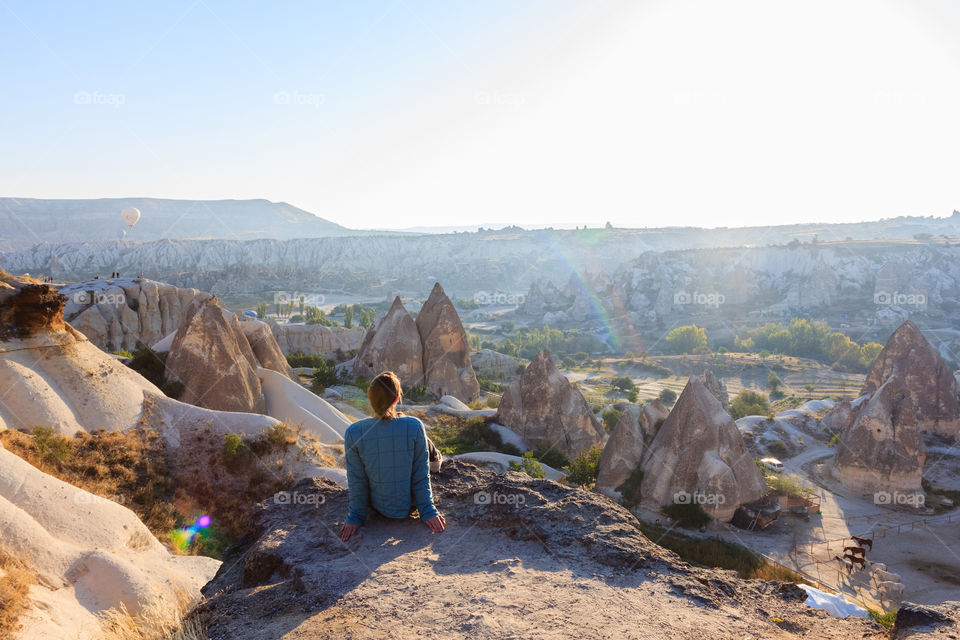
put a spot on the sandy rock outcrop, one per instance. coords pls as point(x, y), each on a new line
point(333, 343)
point(215, 354)
point(838, 418)
point(446, 354)
point(392, 344)
point(528, 539)
point(52, 376)
point(547, 411)
point(212, 358)
point(698, 455)
point(922, 372)
point(882, 452)
point(121, 313)
point(288, 400)
point(628, 441)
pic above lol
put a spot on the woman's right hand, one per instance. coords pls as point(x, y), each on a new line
point(437, 524)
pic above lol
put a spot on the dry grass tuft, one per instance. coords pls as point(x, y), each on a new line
point(157, 620)
point(15, 581)
point(129, 467)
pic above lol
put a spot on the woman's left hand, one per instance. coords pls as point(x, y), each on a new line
point(348, 530)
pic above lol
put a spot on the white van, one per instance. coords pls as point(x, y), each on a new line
point(772, 463)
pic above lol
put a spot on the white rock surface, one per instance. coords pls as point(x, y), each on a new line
point(501, 462)
point(119, 313)
point(287, 400)
point(90, 554)
point(509, 436)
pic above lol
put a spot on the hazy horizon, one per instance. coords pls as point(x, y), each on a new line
point(496, 225)
point(400, 115)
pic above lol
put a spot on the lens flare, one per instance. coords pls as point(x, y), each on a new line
point(182, 538)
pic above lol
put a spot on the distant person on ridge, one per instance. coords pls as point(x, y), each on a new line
point(389, 459)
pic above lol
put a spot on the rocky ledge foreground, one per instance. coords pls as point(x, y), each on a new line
point(521, 558)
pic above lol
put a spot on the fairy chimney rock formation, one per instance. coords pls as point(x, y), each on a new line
point(392, 344)
point(446, 354)
point(547, 411)
point(923, 375)
point(882, 451)
point(699, 456)
point(212, 358)
point(628, 441)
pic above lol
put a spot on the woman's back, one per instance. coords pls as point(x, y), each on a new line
point(390, 459)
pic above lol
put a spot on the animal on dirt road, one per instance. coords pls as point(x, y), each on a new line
point(855, 550)
point(857, 560)
point(863, 542)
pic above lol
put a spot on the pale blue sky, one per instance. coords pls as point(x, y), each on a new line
point(402, 113)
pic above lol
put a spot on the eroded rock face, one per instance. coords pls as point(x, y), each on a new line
point(393, 344)
point(50, 374)
point(882, 451)
point(716, 387)
point(211, 356)
point(333, 343)
point(547, 411)
point(446, 354)
point(698, 455)
point(54, 377)
point(838, 418)
point(28, 307)
point(265, 348)
point(923, 374)
point(623, 451)
point(121, 313)
point(628, 441)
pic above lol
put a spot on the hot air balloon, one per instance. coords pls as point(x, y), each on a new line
point(130, 215)
point(121, 233)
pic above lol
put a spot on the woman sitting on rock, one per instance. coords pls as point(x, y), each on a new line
point(389, 459)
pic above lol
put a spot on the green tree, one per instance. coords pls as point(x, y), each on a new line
point(348, 317)
point(529, 465)
point(611, 417)
point(688, 339)
point(869, 353)
point(324, 375)
point(668, 397)
point(262, 310)
point(366, 317)
point(773, 381)
point(749, 403)
point(583, 470)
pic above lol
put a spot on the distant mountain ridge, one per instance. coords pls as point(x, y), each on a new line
point(25, 222)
